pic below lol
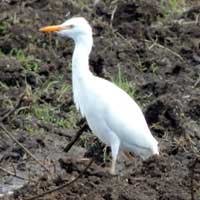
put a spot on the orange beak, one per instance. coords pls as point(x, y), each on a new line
point(55, 28)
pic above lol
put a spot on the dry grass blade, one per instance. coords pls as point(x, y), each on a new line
point(192, 172)
point(15, 175)
point(23, 147)
point(155, 44)
point(10, 112)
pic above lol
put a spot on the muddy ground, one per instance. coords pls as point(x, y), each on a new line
point(150, 48)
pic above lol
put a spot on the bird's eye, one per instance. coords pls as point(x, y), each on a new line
point(71, 26)
point(68, 27)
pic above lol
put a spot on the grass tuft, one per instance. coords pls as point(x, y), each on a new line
point(28, 62)
point(124, 84)
point(172, 7)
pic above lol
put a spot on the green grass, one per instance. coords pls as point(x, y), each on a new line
point(51, 112)
point(48, 114)
point(140, 66)
point(106, 155)
point(84, 140)
point(1, 54)
point(44, 112)
point(65, 88)
point(172, 7)
point(45, 104)
point(7, 102)
point(3, 86)
point(154, 68)
point(123, 83)
point(198, 194)
point(28, 62)
point(3, 27)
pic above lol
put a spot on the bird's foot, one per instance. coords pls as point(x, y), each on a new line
point(103, 172)
point(112, 171)
point(113, 167)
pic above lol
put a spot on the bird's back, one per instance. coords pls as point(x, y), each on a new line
point(121, 114)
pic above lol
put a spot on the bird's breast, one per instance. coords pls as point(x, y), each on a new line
point(92, 108)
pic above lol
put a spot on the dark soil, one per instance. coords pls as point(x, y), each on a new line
point(158, 52)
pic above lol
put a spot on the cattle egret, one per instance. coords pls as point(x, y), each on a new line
point(113, 116)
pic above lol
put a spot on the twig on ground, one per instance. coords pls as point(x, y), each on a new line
point(154, 43)
point(22, 146)
point(166, 48)
point(63, 185)
point(197, 82)
point(76, 137)
point(197, 20)
point(193, 9)
point(193, 22)
point(113, 15)
point(15, 175)
point(11, 111)
point(192, 171)
point(123, 38)
point(96, 2)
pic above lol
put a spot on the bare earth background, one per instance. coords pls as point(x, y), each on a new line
point(149, 48)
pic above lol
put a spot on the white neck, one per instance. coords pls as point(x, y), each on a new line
point(81, 74)
point(80, 59)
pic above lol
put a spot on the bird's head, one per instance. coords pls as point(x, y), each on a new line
point(73, 28)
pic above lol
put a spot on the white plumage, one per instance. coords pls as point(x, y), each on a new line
point(111, 113)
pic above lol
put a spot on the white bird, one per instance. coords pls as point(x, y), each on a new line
point(113, 116)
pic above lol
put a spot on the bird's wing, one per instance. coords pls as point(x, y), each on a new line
point(124, 116)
